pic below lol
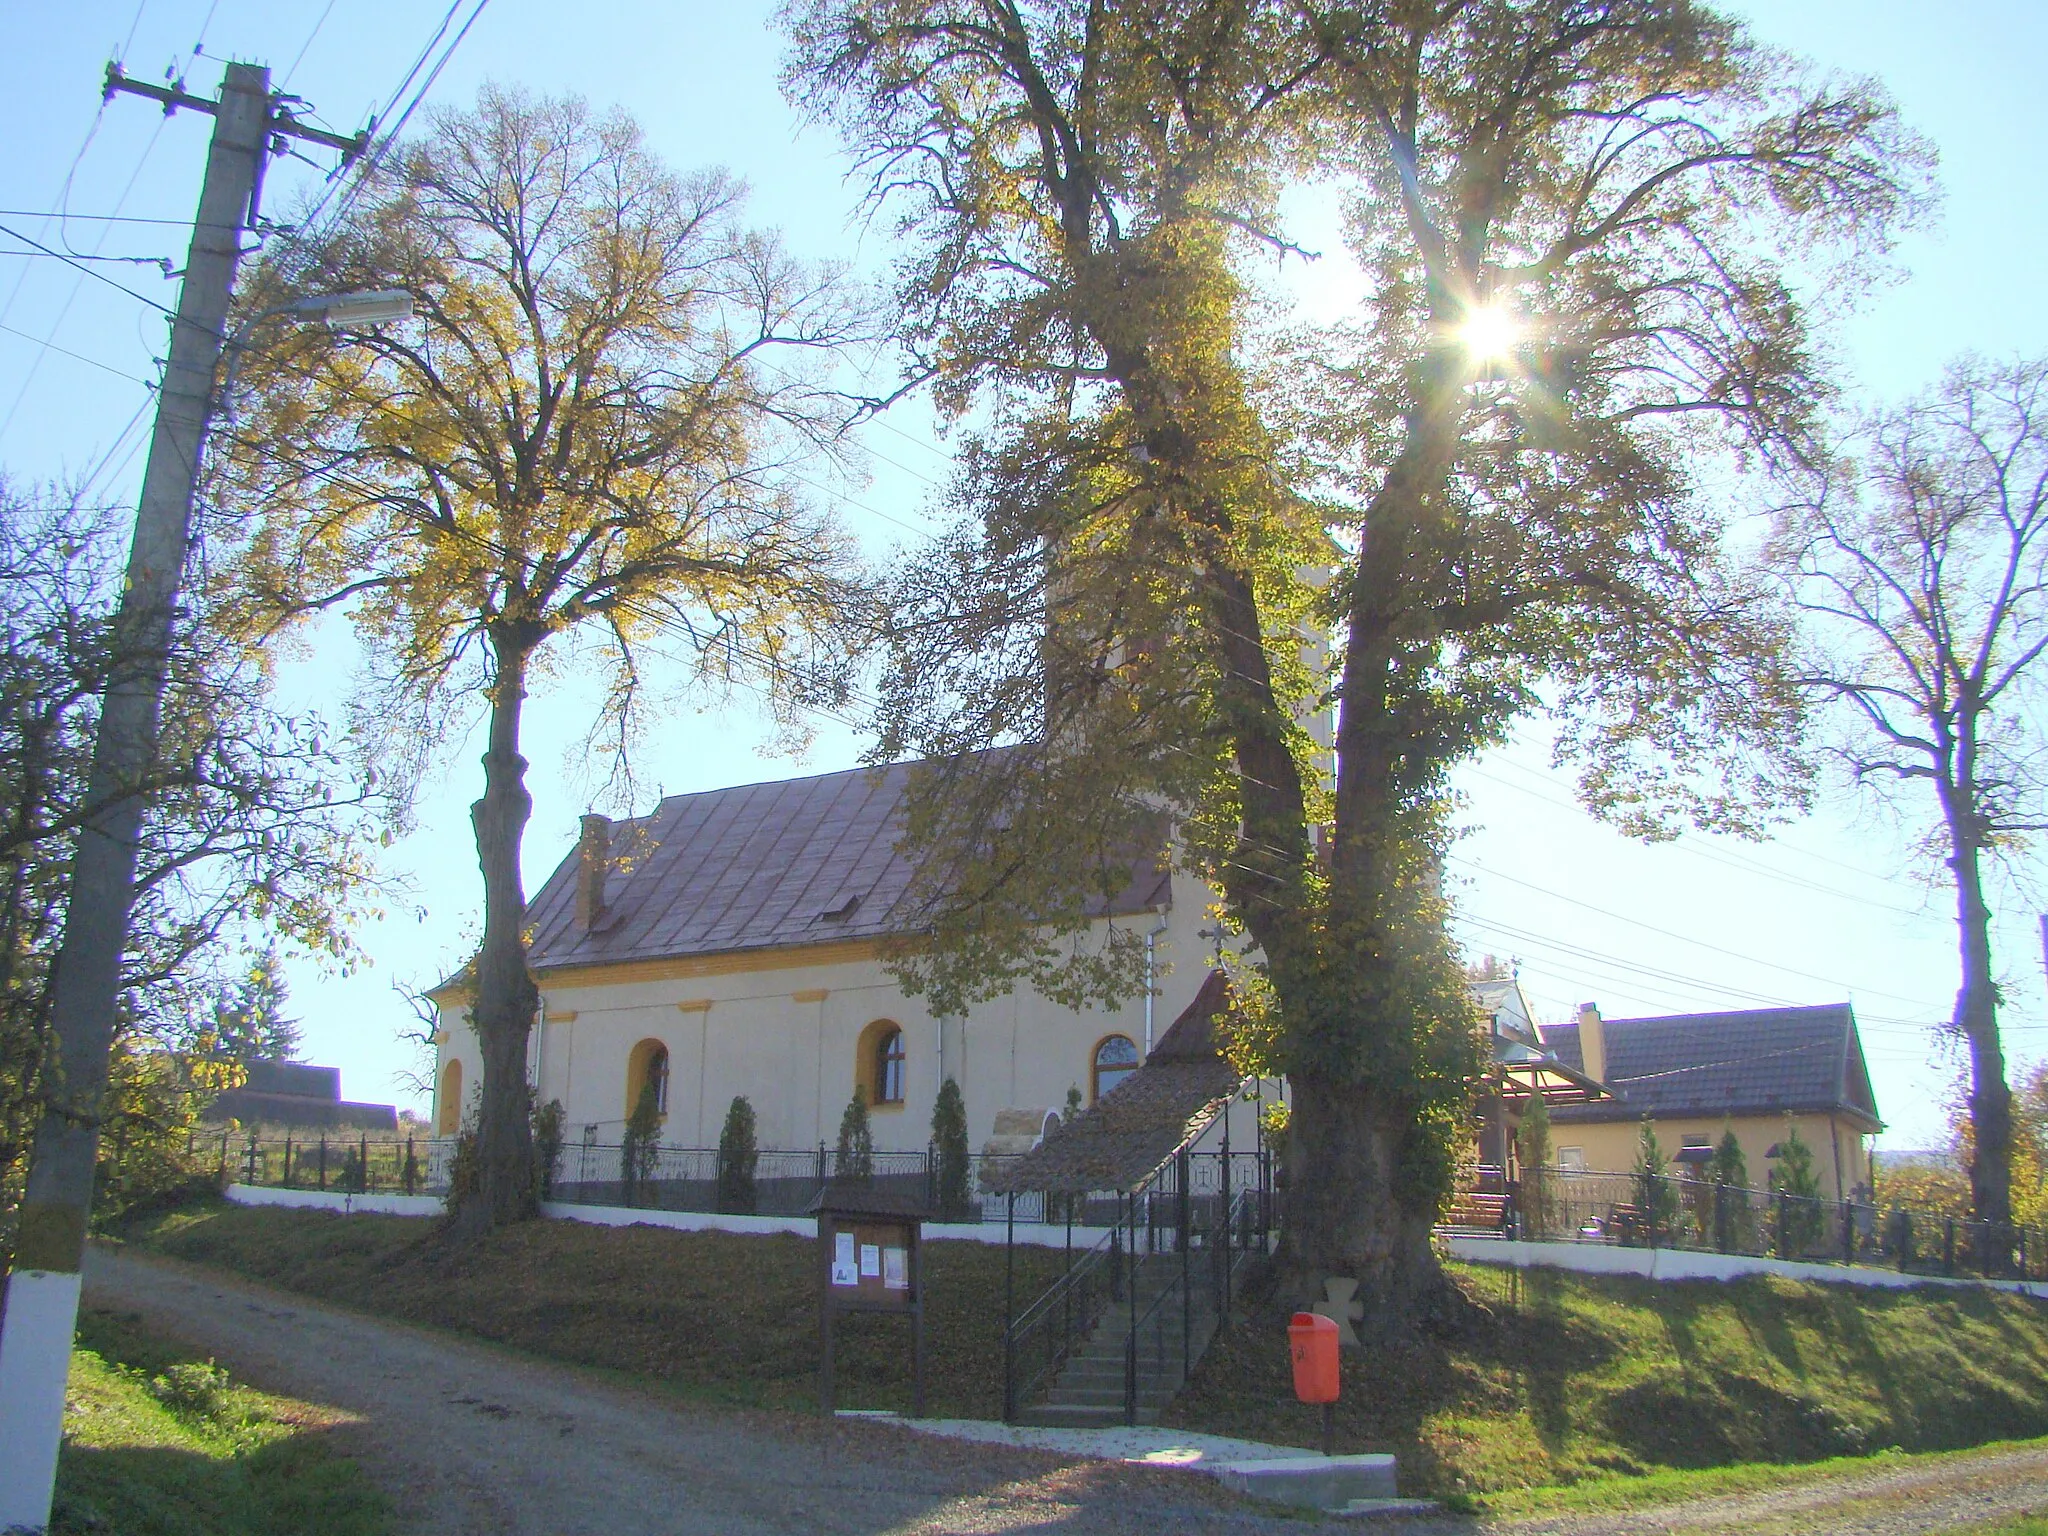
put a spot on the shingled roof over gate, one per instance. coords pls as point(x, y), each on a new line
point(1127, 1133)
point(1759, 1061)
point(757, 866)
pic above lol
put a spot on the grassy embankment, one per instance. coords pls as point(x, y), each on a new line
point(711, 1314)
point(1603, 1389)
point(159, 1442)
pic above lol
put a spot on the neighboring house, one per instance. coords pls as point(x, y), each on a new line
point(293, 1094)
point(1757, 1072)
point(1519, 1065)
point(731, 943)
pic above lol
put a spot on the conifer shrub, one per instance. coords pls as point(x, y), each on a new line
point(737, 1157)
point(949, 1141)
point(642, 1145)
point(1532, 1146)
point(1796, 1183)
point(1733, 1220)
point(1656, 1200)
point(853, 1161)
point(548, 1128)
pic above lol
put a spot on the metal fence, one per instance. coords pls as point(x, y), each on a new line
point(784, 1182)
point(359, 1164)
point(1665, 1211)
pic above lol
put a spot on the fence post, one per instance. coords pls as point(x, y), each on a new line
point(1948, 1245)
point(287, 1159)
point(409, 1168)
point(1848, 1234)
point(931, 1177)
point(323, 1163)
point(1780, 1215)
point(252, 1154)
point(1009, 1307)
point(821, 1165)
point(223, 1174)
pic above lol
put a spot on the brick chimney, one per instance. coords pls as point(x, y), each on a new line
point(593, 864)
point(1592, 1042)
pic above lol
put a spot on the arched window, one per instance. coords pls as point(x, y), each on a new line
point(449, 1121)
point(889, 1067)
point(879, 1065)
point(646, 1067)
point(1115, 1059)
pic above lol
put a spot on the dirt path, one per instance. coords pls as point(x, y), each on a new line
point(469, 1439)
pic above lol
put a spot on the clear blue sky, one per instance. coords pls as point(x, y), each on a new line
point(1815, 916)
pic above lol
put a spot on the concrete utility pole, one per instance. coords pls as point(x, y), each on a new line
point(42, 1292)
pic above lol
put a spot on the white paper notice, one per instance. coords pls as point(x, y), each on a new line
point(870, 1260)
point(843, 1270)
point(895, 1269)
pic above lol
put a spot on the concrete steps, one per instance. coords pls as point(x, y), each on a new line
point(1089, 1391)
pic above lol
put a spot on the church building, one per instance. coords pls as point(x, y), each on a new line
point(730, 943)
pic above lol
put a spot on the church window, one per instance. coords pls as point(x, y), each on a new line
point(450, 1119)
point(879, 1063)
point(647, 1067)
point(889, 1067)
point(1115, 1059)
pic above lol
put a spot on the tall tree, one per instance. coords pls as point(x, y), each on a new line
point(587, 430)
point(1923, 566)
point(249, 1022)
point(1572, 219)
point(252, 827)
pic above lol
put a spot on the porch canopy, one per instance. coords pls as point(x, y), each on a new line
point(1123, 1138)
point(1520, 1072)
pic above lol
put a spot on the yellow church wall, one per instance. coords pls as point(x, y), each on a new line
point(787, 1034)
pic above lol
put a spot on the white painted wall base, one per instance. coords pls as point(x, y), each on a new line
point(334, 1200)
point(1032, 1234)
point(1683, 1264)
point(35, 1364)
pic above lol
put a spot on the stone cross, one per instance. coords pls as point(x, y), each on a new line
point(1340, 1304)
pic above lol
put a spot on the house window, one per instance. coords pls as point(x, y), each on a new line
point(1571, 1157)
point(1115, 1059)
point(879, 1063)
point(450, 1120)
point(647, 1067)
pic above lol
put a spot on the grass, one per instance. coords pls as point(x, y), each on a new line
point(1557, 1392)
point(716, 1315)
point(159, 1442)
point(1613, 1389)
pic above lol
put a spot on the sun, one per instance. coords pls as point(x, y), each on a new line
point(1488, 333)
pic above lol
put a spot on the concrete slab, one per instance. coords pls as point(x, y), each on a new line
point(1369, 1509)
point(1146, 1444)
point(1281, 1474)
point(1312, 1482)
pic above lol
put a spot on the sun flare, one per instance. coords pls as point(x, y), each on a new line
point(1488, 333)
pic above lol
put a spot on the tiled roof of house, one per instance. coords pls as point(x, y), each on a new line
point(792, 861)
point(1760, 1061)
point(1127, 1133)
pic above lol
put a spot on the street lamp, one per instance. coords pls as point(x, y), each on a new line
point(374, 306)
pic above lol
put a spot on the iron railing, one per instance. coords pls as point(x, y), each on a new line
point(1172, 1261)
point(359, 1164)
point(1668, 1211)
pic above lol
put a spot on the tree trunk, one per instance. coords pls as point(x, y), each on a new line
point(1343, 1211)
point(506, 995)
point(1976, 1017)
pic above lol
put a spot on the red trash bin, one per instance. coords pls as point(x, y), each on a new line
point(1312, 1340)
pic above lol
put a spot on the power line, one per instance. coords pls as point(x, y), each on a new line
point(300, 57)
point(51, 346)
point(1636, 922)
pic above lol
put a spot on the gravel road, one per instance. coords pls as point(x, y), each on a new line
point(470, 1439)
